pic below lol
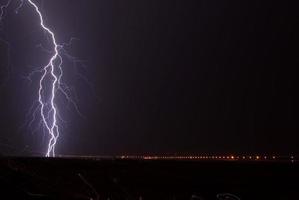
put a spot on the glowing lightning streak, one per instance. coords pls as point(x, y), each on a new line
point(2, 8)
point(51, 77)
point(49, 117)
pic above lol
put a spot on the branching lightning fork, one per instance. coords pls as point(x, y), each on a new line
point(49, 116)
point(50, 81)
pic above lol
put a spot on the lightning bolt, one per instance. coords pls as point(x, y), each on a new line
point(50, 81)
point(2, 8)
point(48, 108)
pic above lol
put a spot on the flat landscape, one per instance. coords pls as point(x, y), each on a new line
point(108, 178)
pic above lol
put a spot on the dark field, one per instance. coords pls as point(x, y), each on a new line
point(66, 178)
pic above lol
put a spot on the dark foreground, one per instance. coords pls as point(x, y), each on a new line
point(103, 179)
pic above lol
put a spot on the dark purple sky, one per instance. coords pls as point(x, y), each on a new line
point(169, 76)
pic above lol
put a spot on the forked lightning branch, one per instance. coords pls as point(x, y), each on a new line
point(50, 81)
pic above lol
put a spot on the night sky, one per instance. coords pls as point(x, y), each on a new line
point(165, 77)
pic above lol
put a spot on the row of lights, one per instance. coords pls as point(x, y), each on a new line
point(202, 157)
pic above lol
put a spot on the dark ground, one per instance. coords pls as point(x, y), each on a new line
point(62, 178)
